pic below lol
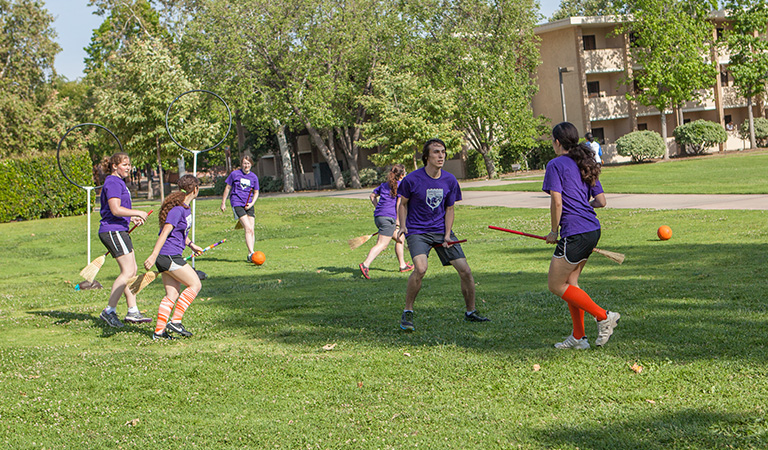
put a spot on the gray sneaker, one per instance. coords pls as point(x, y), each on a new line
point(406, 322)
point(605, 327)
point(572, 342)
point(136, 317)
point(111, 319)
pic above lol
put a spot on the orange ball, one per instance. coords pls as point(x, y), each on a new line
point(258, 258)
point(664, 232)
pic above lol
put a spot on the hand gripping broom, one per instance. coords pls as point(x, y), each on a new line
point(90, 271)
point(613, 256)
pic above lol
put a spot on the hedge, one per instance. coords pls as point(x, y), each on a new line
point(698, 136)
point(640, 145)
point(34, 188)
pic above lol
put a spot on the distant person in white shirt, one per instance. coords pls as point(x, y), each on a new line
point(595, 147)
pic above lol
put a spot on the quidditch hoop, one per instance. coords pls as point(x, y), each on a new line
point(168, 112)
point(58, 149)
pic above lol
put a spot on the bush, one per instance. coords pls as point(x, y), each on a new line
point(761, 131)
point(373, 176)
point(270, 184)
point(538, 157)
point(34, 188)
point(696, 137)
point(640, 145)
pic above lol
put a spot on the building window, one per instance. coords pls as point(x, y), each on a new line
point(686, 121)
point(599, 135)
point(642, 126)
point(589, 42)
point(727, 118)
point(724, 82)
point(633, 38)
point(636, 87)
point(720, 34)
point(593, 88)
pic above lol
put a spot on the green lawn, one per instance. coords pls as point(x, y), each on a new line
point(735, 173)
point(255, 375)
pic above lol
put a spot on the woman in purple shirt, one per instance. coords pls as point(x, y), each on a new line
point(244, 186)
point(384, 198)
point(166, 256)
point(572, 182)
point(116, 216)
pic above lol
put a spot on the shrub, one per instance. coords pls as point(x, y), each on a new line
point(696, 137)
point(537, 157)
point(270, 184)
point(373, 176)
point(640, 145)
point(761, 131)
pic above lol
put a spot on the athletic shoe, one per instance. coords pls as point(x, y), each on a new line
point(605, 328)
point(163, 335)
point(178, 328)
point(406, 323)
point(572, 342)
point(111, 319)
point(136, 317)
point(408, 267)
point(475, 317)
point(365, 271)
point(249, 257)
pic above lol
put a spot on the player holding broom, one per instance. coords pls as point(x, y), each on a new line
point(426, 216)
point(116, 216)
point(572, 182)
point(244, 186)
point(166, 256)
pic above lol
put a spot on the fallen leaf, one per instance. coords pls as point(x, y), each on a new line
point(33, 234)
point(132, 423)
point(143, 311)
point(407, 354)
point(536, 367)
point(652, 402)
point(329, 347)
point(279, 280)
point(637, 368)
point(359, 384)
point(319, 270)
point(67, 282)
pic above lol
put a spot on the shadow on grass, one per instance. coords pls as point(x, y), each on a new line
point(65, 317)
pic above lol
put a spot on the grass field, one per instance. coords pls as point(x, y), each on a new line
point(734, 173)
point(256, 374)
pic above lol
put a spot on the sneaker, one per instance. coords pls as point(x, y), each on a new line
point(136, 317)
point(408, 267)
point(250, 255)
point(111, 319)
point(365, 271)
point(406, 322)
point(605, 328)
point(475, 317)
point(178, 328)
point(572, 342)
point(163, 335)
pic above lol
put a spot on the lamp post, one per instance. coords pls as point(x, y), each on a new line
point(560, 71)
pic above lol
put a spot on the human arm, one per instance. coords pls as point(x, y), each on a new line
point(164, 233)
point(255, 197)
point(402, 214)
point(599, 201)
point(117, 210)
point(449, 216)
point(224, 198)
point(374, 199)
point(555, 213)
point(194, 247)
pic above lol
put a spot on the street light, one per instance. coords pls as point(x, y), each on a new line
point(560, 71)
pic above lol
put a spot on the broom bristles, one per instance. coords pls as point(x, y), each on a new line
point(358, 241)
point(239, 225)
point(90, 271)
point(141, 282)
point(613, 256)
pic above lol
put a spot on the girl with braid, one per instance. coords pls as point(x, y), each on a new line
point(384, 199)
point(166, 256)
point(572, 182)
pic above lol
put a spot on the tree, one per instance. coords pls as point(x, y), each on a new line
point(573, 8)
point(671, 43)
point(747, 44)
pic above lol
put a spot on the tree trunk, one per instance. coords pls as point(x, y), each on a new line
point(160, 170)
point(490, 166)
point(240, 135)
point(228, 155)
point(182, 167)
point(664, 134)
point(752, 139)
point(351, 151)
point(150, 194)
point(299, 165)
point(285, 156)
point(329, 156)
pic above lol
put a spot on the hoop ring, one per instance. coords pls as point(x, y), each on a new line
point(168, 112)
point(58, 150)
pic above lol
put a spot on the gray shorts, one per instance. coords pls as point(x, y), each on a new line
point(421, 244)
point(386, 225)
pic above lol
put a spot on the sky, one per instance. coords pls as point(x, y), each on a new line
point(74, 23)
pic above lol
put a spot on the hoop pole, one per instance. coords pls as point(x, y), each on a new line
point(88, 190)
point(194, 201)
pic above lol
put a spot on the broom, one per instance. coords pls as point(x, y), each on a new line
point(137, 283)
point(239, 225)
point(90, 271)
point(613, 256)
point(360, 240)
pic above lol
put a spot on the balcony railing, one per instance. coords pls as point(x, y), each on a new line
point(604, 60)
point(732, 99)
point(607, 108)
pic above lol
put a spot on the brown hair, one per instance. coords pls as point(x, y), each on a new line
point(187, 184)
point(114, 160)
point(568, 136)
point(395, 173)
point(246, 158)
point(427, 145)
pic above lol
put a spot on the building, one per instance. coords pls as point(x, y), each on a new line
point(581, 80)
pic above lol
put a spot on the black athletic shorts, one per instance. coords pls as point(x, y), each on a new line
point(117, 242)
point(240, 211)
point(421, 244)
point(578, 247)
point(169, 263)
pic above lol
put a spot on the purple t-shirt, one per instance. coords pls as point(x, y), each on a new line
point(578, 216)
point(242, 184)
point(387, 205)
point(114, 187)
point(179, 218)
point(427, 199)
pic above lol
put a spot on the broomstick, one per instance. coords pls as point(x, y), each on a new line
point(90, 271)
point(137, 283)
point(239, 225)
point(613, 256)
point(360, 240)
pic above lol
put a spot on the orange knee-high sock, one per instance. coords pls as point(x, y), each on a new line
point(577, 316)
point(162, 314)
point(580, 299)
point(185, 299)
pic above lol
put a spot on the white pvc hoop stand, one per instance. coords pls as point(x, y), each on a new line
point(88, 189)
point(196, 152)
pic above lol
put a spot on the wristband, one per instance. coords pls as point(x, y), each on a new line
point(190, 244)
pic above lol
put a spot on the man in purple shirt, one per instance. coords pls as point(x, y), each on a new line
point(426, 214)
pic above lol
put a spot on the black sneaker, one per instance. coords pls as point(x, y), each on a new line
point(475, 317)
point(178, 328)
point(163, 335)
point(111, 319)
point(406, 322)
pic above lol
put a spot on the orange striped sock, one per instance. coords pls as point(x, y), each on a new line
point(166, 305)
point(185, 299)
point(580, 299)
point(577, 316)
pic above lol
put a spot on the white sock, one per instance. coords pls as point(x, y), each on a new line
point(109, 310)
point(134, 309)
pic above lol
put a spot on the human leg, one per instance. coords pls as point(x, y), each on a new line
point(189, 278)
point(420, 264)
point(172, 286)
point(560, 271)
point(400, 253)
point(467, 282)
point(381, 243)
point(248, 225)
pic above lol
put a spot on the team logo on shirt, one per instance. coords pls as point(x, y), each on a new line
point(245, 184)
point(186, 226)
point(434, 197)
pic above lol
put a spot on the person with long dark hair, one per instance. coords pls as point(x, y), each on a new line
point(571, 180)
point(384, 199)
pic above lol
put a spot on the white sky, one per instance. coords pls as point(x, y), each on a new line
point(75, 22)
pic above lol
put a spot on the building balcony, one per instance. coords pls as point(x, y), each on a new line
point(607, 108)
point(732, 99)
point(605, 60)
